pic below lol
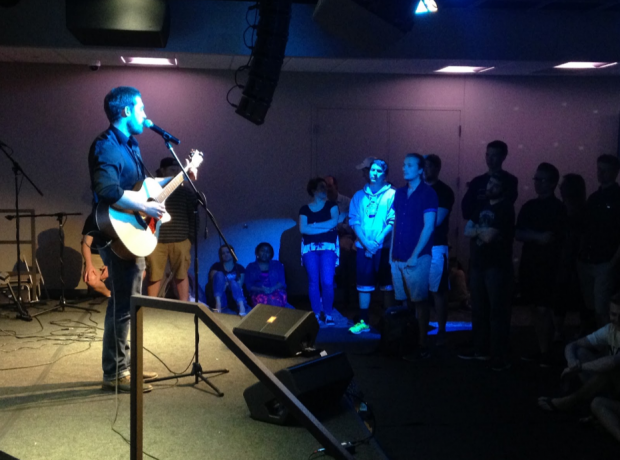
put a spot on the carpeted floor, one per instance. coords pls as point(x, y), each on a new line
point(439, 408)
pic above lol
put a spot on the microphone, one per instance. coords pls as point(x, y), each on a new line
point(166, 135)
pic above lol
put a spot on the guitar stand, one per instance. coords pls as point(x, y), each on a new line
point(62, 217)
point(197, 372)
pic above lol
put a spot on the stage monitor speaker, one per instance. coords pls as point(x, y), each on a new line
point(128, 23)
point(277, 330)
point(318, 384)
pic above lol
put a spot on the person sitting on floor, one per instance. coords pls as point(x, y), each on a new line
point(226, 277)
point(596, 360)
point(264, 278)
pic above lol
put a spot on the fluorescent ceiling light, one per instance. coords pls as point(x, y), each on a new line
point(585, 65)
point(426, 6)
point(149, 61)
point(463, 69)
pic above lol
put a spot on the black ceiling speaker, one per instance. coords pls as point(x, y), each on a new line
point(8, 3)
point(267, 59)
point(127, 23)
point(371, 25)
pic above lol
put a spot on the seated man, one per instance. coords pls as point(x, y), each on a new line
point(95, 271)
point(264, 279)
point(596, 360)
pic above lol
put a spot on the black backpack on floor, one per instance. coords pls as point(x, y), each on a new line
point(399, 331)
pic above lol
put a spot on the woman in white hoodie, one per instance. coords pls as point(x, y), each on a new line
point(371, 216)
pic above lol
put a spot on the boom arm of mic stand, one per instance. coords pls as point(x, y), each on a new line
point(17, 168)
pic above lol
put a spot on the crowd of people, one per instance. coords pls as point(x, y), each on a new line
point(396, 240)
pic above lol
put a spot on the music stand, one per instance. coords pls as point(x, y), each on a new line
point(197, 372)
point(62, 217)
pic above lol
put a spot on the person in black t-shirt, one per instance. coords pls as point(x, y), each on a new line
point(496, 153)
point(540, 227)
point(600, 243)
point(320, 248)
point(226, 279)
point(491, 230)
point(438, 281)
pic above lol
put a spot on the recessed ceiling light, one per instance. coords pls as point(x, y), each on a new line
point(463, 69)
point(149, 61)
point(585, 65)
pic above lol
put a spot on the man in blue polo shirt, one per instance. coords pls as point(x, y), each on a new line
point(415, 207)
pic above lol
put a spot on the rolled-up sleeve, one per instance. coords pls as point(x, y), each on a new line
point(105, 170)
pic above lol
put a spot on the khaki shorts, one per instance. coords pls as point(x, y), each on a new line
point(412, 282)
point(177, 253)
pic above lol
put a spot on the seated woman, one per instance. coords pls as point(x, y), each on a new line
point(226, 278)
point(264, 279)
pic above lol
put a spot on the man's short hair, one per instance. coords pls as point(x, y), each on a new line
point(574, 187)
point(609, 160)
point(434, 160)
point(382, 164)
point(313, 184)
point(551, 171)
point(500, 146)
point(420, 158)
point(117, 99)
point(615, 299)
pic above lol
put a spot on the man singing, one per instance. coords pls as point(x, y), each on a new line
point(115, 166)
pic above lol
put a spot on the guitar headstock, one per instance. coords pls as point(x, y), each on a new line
point(196, 157)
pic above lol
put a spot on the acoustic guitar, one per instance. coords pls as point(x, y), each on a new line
point(133, 233)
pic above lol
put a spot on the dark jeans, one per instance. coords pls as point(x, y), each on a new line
point(491, 295)
point(125, 280)
point(320, 266)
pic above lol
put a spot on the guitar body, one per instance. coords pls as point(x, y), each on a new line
point(133, 234)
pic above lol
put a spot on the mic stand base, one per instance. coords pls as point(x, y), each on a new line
point(62, 303)
point(199, 374)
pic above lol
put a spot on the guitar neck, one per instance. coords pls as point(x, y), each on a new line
point(170, 187)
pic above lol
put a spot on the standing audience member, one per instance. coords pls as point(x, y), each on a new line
point(319, 248)
point(226, 278)
point(596, 360)
point(95, 271)
point(372, 217)
point(175, 237)
point(415, 209)
point(439, 276)
point(568, 290)
point(491, 230)
point(364, 166)
point(540, 227)
point(264, 279)
point(496, 153)
point(598, 255)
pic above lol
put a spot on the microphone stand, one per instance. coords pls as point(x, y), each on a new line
point(197, 372)
point(62, 217)
point(17, 169)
